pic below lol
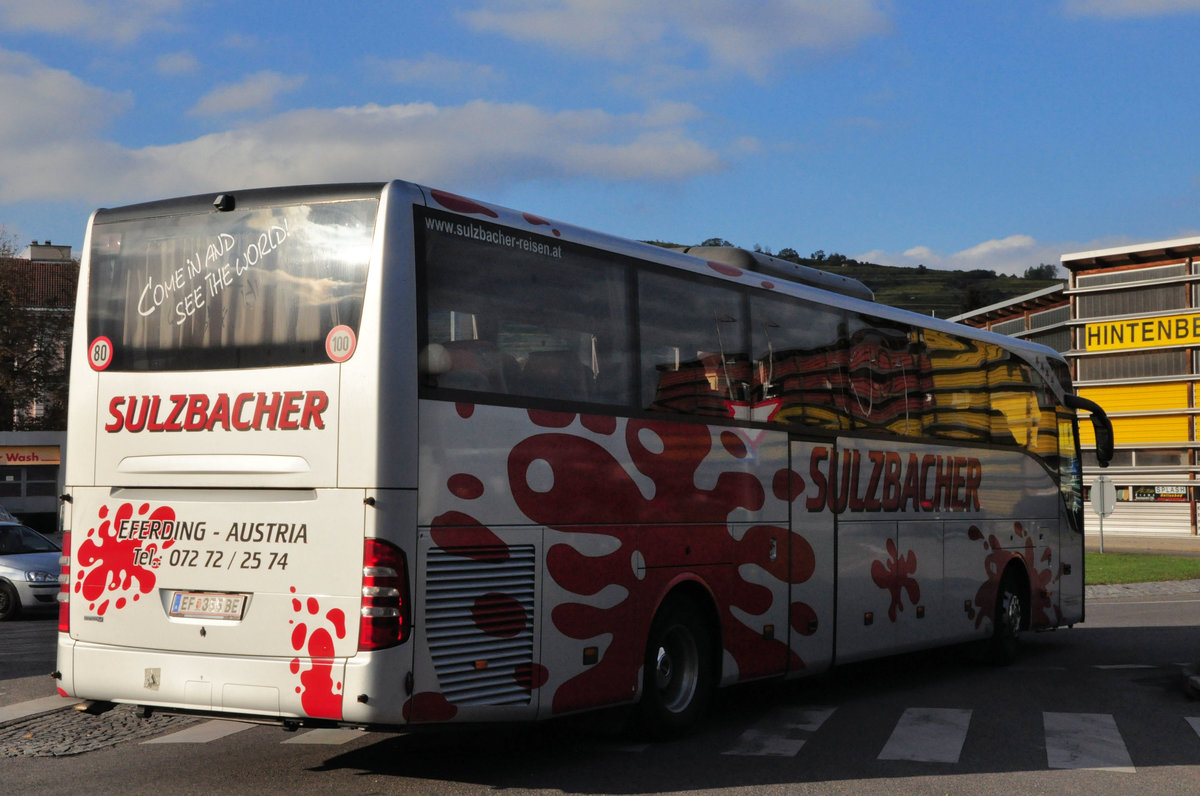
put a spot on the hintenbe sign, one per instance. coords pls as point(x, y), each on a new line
point(1142, 333)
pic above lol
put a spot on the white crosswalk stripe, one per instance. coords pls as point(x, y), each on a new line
point(777, 734)
point(330, 737)
point(928, 735)
point(203, 733)
point(1085, 740)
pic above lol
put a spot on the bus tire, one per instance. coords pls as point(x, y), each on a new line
point(677, 674)
point(1009, 620)
point(10, 601)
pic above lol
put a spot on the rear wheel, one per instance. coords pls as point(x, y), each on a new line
point(1010, 620)
point(677, 676)
point(10, 604)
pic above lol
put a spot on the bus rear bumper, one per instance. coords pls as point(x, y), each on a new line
point(269, 688)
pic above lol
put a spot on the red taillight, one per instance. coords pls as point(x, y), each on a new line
point(64, 585)
point(385, 609)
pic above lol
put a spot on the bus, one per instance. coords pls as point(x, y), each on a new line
point(380, 455)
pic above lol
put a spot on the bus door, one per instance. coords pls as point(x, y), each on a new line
point(889, 556)
point(813, 560)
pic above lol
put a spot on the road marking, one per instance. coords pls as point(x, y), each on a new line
point(1085, 740)
point(33, 707)
point(332, 737)
point(203, 733)
point(928, 735)
point(775, 734)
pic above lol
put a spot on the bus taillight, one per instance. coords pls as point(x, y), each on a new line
point(64, 585)
point(385, 605)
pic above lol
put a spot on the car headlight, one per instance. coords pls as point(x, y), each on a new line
point(37, 576)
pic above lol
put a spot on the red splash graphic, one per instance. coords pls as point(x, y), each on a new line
point(787, 485)
point(531, 675)
point(540, 222)
point(896, 577)
point(455, 529)
point(112, 570)
point(461, 204)
point(499, 615)
point(465, 486)
point(727, 270)
point(1041, 580)
point(428, 706)
point(592, 493)
point(320, 695)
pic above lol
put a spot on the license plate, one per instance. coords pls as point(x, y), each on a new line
point(207, 605)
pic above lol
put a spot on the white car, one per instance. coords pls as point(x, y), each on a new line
point(29, 569)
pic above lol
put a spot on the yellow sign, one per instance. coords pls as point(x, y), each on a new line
point(1142, 333)
point(29, 454)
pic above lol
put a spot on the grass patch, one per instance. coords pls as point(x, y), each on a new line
point(1106, 568)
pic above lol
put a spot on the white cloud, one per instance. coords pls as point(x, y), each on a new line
point(258, 91)
point(478, 144)
point(1010, 255)
point(178, 63)
point(436, 70)
point(120, 21)
point(732, 38)
point(1130, 8)
point(45, 105)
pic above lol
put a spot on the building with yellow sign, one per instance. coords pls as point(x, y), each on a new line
point(1128, 320)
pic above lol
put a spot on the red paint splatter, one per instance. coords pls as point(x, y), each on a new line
point(112, 568)
point(1041, 581)
point(734, 445)
point(499, 615)
point(540, 222)
point(546, 419)
point(599, 424)
point(465, 486)
point(531, 675)
point(428, 706)
point(727, 270)
point(896, 576)
point(787, 485)
point(471, 538)
point(320, 695)
point(461, 204)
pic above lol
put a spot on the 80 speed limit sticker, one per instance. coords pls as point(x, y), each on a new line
point(100, 353)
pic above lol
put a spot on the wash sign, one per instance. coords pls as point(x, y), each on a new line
point(1142, 333)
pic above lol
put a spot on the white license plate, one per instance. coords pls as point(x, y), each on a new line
point(209, 605)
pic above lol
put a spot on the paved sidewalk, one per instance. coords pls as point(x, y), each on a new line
point(1139, 543)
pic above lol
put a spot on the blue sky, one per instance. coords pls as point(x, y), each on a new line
point(953, 133)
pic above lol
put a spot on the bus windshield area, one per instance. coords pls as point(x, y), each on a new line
point(251, 287)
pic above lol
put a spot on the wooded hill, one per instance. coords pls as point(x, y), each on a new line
point(929, 291)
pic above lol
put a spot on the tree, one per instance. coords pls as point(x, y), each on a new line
point(8, 242)
point(35, 333)
point(1042, 271)
point(716, 242)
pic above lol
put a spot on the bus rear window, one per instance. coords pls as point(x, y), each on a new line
point(254, 287)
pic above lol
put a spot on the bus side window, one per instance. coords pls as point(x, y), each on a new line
point(693, 345)
point(885, 383)
point(799, 351)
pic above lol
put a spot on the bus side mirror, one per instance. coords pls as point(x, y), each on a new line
point(1101, 425)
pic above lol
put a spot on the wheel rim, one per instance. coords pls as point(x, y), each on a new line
point(1012, 613)
point(677, 669)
